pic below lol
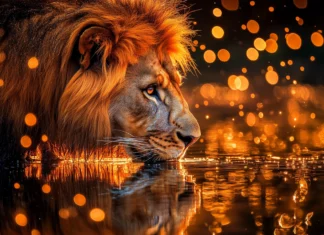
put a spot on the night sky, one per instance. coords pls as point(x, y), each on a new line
point(237, 41)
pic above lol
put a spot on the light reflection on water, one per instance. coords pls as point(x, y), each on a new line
point(229, 194)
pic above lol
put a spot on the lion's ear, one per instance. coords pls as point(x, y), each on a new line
point(90, 41)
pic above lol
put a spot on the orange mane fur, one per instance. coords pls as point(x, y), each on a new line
point(71, 103)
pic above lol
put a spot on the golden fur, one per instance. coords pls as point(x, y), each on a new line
point(71, 102)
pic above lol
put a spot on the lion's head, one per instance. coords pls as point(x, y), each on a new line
point(108, 70)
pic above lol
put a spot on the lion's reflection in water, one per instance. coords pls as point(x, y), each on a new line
point(118, 199)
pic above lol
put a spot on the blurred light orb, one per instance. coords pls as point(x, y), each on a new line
point(223, 55)
point(2, 57)
point(210, 56)
point(25, 141)
point(244, 70)
point(202, 47)
point(217, 12)
point(1, 82)
point(269, 68)
point(252, 54)
point(313, 116)
point(230, 5)
point(250, 119)
point(271, 9)
point(21, 220)
point(290, 62)
point(282, 63)
point(294, 41)
point(33, 63)
point(46, 188)
point(218, 32)
point(301, 4)
point(272, 45)
point(35, 232)
point(243, 26)
point(30, 119)
point(274, 36)
point(44, 138)
point(286, 29)
point(16, 185)
point(79, 199)
point(272, 77)
point(97, 215)
point(302, 68)
point(312, 58)
point(259, 44)
point(64, 213)
point(317, 39)
point(253, 26)
point(252, 3)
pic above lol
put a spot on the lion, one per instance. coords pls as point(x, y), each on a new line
point(96, 73)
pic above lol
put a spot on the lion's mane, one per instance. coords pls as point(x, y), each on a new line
point(71, 103)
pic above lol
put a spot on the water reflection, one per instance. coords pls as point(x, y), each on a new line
point(228, 195)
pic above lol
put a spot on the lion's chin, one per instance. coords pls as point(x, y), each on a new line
point(155, 155)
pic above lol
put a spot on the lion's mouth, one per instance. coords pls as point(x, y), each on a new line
point(154, 154)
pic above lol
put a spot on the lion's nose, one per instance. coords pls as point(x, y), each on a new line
point(187, 140)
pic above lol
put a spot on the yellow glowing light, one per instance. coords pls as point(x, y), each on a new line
point(44, 138)
point(207, 116)
point(260, 44)
point(206, 102)
point(291, 139)
point(317, 39)
point(274, 36)
point(271, 9)
point(46, 188)
point(288, 77)
point(272, 46)
point(223, 55)
point(297, 18)
point(202, 47)
point(300, 21)
point(241, 113)
point(252, 54)
point(257, 140)
point(64, 213)
point(218, 32)
point(312, 58)
point(231, 82)
point(313, 116)
point(295, 82)
point(252, 3)
point(209, 56)
point(244, 70)
point(282, 64)
point(2, 57)
point(35, 232)
point(272, 77)
point(269, 68)
point(33, 63)
point(197, 106)
point(217, 12)
point(252, 95)
point(1, 82)
point(287, 30)
point(243, 26)
point(253, 26)
point(79, 199)
point(97, 215)
point(302, 68)
point(294, 41)
point(301, 4)
point(230, 5)
point(290, 62)
point(232, 103)
point(244, 83)
point(241, 106)
point(25, 141)
point(250, 119)
point(21, 220)
point(195, 42)
point(16, 185)
point(260, 115)
point(30, 119)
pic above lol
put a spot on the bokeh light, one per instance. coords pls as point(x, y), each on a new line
point(25, 141)
point(272, 77)
point(272, 45)
point(252, 54)
point(259, 44)
point(46, 188)
point(33, 63)
point(79, 199)
point(253, 26)
point(97, 215)
point(210, 56)
point(223, 55)
point(317, 39)
point(230, 5)
point(294, 41)
point(21, 220)
point(30, 119)
point(217, 12)
point(218, 32)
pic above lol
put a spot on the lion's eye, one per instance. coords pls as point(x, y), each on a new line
point(150, 90)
